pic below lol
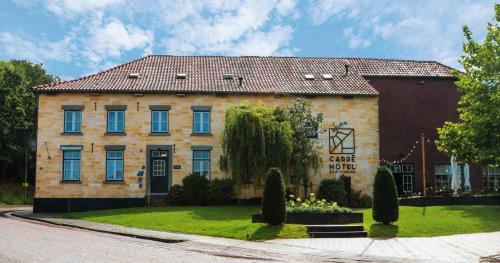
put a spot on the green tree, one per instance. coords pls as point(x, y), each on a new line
point(254, 139)
point(305, 150)
point(385, 197)
point(476, 136)
point(243, 145)
point(17, 111)
point(273, 201)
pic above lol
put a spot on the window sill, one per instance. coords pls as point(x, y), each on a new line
point(159, 134)
point(202, 134)
point(72, 133)
point(113, 182)
point(70, 182)
point(115, 134)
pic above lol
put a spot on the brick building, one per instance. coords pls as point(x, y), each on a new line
point(117, 137)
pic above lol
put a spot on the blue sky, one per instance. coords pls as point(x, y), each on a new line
point(74, 38)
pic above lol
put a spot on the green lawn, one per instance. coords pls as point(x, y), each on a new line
point(235, 221)
point(219, 221)
point(436, 221)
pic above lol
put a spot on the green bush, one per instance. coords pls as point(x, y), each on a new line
point(220, 191)
point(385, 197)
point(195, 189)
point(347, 187)
point(333, 190)
point(360, 200)
point(273, 201)
point(175, 196)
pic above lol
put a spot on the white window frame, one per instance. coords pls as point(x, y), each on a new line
point(71, 161)
point(75, 128)
point(112, 125)
point(115, 160)
point(202, 160)
point(159, 121)
point(204, 117)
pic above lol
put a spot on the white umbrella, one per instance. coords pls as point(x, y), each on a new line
point(455, 181)
point(466, 177)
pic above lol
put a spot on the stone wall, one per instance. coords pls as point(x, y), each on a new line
point(360, 113)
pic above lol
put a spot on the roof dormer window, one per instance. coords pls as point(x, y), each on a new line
point(228, 76)
point(309, 76)
point(327, 76)
point(181, 76)
point(133, 75)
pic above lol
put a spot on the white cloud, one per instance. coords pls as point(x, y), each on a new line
point(427, 29)
point(108, 39)
point(244, 28)
point(39, 51)
point(111, 38)
point(356, 40)
point(265, 43)
point(69, 8)
point(321, 10)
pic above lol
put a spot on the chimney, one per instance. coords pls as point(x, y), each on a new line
point(240, 81)
point(346, 70)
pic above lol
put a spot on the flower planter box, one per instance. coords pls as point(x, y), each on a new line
point(317, 218)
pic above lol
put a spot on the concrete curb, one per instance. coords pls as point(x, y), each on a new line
point(152, 238)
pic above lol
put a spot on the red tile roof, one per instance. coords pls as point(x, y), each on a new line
point(157, 73)
point(400, 68)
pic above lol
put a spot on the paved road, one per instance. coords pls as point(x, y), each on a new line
point(22, 241)
point(32, 241)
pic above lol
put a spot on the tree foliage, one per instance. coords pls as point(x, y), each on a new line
point(476, 136)
point(273, 201)
point(254, 139)
point(18, 107)
point(305, 150)
point(385, 197)
point(260, 137)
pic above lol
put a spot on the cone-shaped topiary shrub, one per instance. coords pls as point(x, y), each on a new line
point(273, 201)
point(385, 197)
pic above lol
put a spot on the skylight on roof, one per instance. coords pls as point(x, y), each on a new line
point(181, 76)
point(309, 76)
point(133, 75)
point(327, 76)
point(228, 76)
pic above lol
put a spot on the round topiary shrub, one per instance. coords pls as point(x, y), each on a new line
point(385, 197)
point(195, 189)
point(273, 201)
point(333, 190)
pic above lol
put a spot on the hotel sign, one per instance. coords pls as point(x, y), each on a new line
point(342, 149)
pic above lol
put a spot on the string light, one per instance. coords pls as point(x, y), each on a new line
point(407, 155)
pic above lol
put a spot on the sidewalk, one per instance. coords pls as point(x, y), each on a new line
point(455, 248)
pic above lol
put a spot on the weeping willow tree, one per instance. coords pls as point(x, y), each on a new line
point(254, 139)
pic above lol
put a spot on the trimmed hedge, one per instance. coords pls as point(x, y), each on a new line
point(273, 201)
point(195, 189)
point(333, 190)
point(220, 191)
point(385, 197)
point(346, 180)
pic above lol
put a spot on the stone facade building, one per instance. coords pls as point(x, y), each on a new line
point(117, 137)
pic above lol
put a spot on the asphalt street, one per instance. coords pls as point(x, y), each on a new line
point(28, 241)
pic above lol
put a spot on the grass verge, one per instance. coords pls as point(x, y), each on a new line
point(219, 221)
point(235, 221)
point(436, 221)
